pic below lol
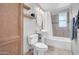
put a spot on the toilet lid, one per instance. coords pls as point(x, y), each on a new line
point(41, 45)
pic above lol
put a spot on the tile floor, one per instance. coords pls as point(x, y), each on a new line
point(58, 51)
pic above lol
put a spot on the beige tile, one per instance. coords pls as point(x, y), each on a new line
point(58, 51)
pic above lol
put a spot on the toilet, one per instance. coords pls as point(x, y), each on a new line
point(39, 48)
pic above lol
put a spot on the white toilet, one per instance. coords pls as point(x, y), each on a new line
point(39, 48)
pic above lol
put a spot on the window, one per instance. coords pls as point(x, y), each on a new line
point(63, 19)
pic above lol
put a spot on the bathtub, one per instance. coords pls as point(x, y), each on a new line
point(59, 42)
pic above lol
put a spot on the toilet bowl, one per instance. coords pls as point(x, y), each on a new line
point(39, 48)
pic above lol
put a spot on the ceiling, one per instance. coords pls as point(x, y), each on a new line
point(53, 6)
point(50, 6)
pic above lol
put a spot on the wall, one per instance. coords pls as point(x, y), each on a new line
point(28, 29)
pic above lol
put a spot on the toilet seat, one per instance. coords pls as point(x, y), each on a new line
point(41, 45)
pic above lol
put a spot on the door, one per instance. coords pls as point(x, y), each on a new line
point(10, 28)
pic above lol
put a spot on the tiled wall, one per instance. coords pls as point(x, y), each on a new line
point(58, 31)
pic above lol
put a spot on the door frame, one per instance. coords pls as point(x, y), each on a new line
point(20, 28)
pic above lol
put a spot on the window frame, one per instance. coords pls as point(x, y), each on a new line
point(67, 18)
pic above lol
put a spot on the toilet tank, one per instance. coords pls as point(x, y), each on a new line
point(33, 38)
point(44, 33)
